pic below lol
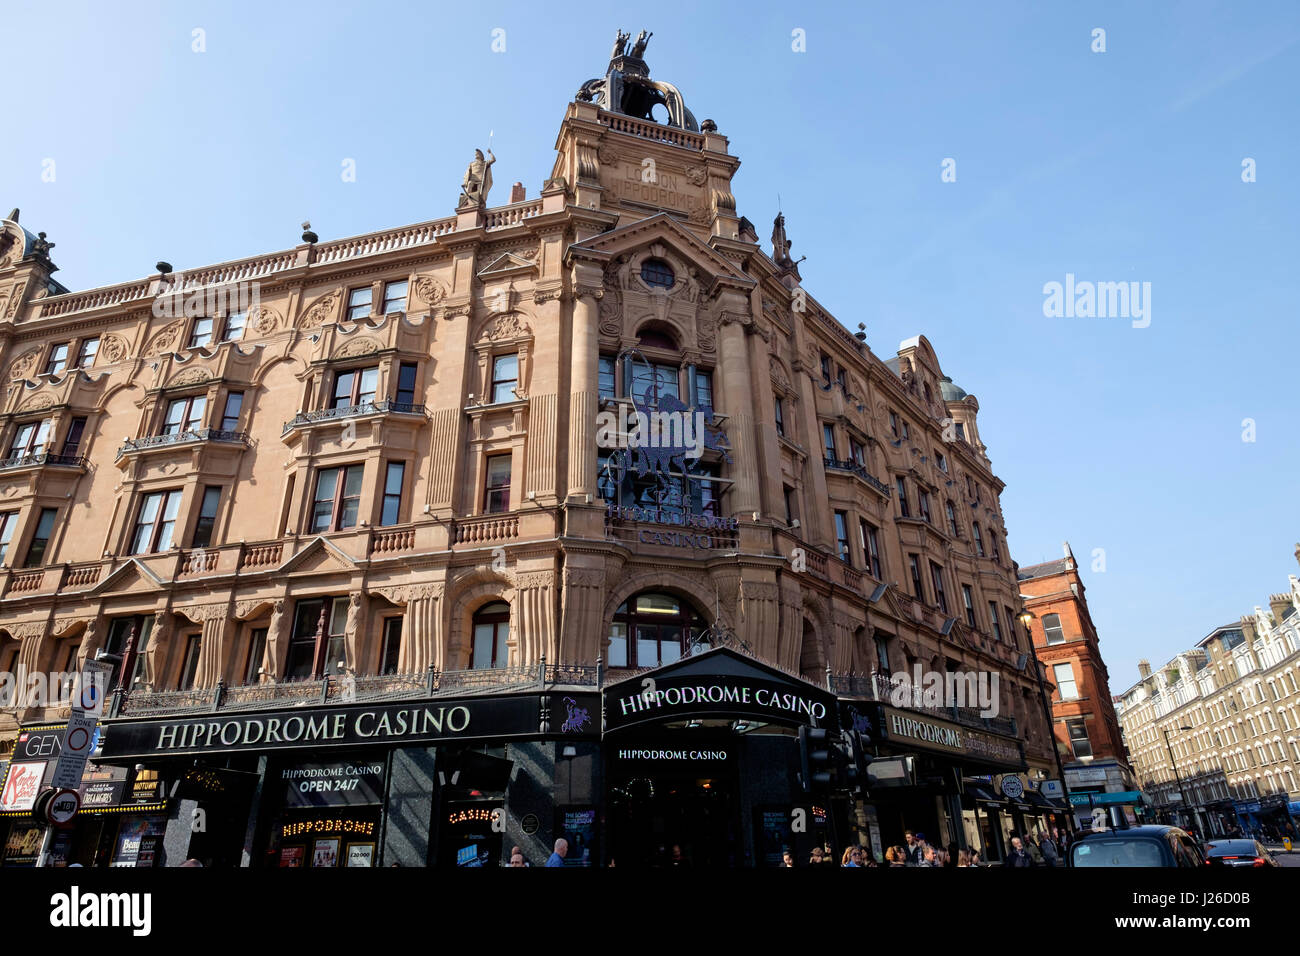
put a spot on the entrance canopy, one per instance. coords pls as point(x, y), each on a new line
point(717, 683)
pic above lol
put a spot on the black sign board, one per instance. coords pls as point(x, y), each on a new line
point(406, 722)
point(339, 783)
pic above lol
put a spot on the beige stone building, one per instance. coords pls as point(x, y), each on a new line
point(1214, 734)
point(365, 465)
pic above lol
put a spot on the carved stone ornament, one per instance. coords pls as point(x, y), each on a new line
point(595, 291)
point(16, 300)
point(113, 348)
point(355, 347)
point(696, 175)
point(201, 613)
point(164, 341)
point(430, 290)
point(607, 155)
point(543, 296)
point(265, 320)
point(320, 310)
point(22, 366)
point(191, 376)
point(503, 327)
point(29, 630)
point(701, 215)
point(707, 332)
point(778, 375)
point(37, 403)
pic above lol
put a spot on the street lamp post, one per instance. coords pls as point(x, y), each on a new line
point(1025, 617)
point(1179, 780)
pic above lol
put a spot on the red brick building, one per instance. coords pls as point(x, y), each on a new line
point(1087, 731)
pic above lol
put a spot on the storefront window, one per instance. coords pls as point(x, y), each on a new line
point(652, 629)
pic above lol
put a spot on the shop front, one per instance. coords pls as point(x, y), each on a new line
point(432, 782)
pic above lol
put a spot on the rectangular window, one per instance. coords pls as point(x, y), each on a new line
point(952, 518)
point(842, 536)
point(893, 423)
point(969, 601)
point(190, 667)
point(505, 378)
point(395, 296)
point(993, 617)
point(780, 416)
point(903, 507)
point(914, 565)
point(997, 552)
point(233, 328)
point(936, 576)
point(826, 370)
point(618, 644)
point(41, 539)
point(871, 548)
point(979, 539)
point(201, 332)
point(907, 432)
point(72, 441)
point(392, 646)
point(857, 453)
point(1052, 629)
point(8, 521)
point(1064, 674)
point(941, 461)
point(256, 651)
point(119, 632)
point(393, 477)
point(923, 499)
point(301, 658)
point(1079, 742)
point(156, 522)
point(355, 386)
point(86, 354)
point(406, 374)
point(788, 494)
point(496, 491)
point(338, 498)
point(184, 414)
point(841, 377)
point(1011, 626)
point(651, 384)
point(828, 439)
point(30, 439)
point(207, 519)
point(961, 431)
point(605, 377)
point(230, 417)
point(359, 303)
point(704, 393)
point(882, 654)
point(58, 361)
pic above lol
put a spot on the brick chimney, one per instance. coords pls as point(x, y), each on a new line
point(517, 192)
point(1278, 603)
point(1144, 668)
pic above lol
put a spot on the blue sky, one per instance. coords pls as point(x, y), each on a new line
point(1116, 166)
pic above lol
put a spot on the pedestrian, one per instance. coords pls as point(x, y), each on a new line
point(1018, 855)
point(975, 858)
point(852, 857)
point(914, 847)
point(816, 858)
point(679, 858)
point(1051, 854)
point(963, 858)
point(517, 858)
point(787, 860)
point(899, 856)
point(928, 857)
point(561, 850)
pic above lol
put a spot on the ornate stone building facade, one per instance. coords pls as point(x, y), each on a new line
point(1214, 734)
point(365, 465)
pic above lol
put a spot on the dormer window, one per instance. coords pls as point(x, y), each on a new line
point(656, 272)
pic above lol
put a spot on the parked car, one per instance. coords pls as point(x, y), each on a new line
point(1137, 846)
point(1241, 852)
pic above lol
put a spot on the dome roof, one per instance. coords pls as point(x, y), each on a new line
point(949, 391)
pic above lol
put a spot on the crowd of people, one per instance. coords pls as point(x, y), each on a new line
point(1044, 848)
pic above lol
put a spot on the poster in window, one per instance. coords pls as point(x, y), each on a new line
point(325, 853)
point(774, 837)
point(131, 834)
point(291, 857)
point(361, 854)
point(579, 828)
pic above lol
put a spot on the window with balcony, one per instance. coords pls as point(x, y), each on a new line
point(115, 644)
point(979, 539)
point(354, 386)
point(359, 301)
point(903, 508)
point(207, 519)
point(779, 412)
point(993, 619)
point(395, 296)
point(184, 414)
point(857, 452)
point(1064, 674)
point(652, 629)
point(156, 521)
point(300, 662)
point(86, 354)
point(230, 417)
point(1052, 629)
point(232, 330)
point(870, 536)
point(391, 649)
point(8, 522)
point(72, 441)
point(505, 378)
point(605, 377)
point(496, 490)
point(842, 537)
point(31, 439)
point(337, 502)
point(190, 663)
point(968, 600)
point(828, 439)
point(406, 376)
point(394, 475)
point(256, 651)
point(201, 332)
point(58, 360)
point(491, 632)
point(936, 577)
point(914, 566)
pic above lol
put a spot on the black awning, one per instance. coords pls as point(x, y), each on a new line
point(979, 792)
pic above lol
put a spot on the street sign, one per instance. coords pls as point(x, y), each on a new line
point(62, 807)
point(1051, 788)
point(92, 688)
point(78, 741)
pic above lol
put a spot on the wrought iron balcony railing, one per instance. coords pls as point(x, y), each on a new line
point(351, 411)
point(44, 458)
point(182, 437)
point(836, 464)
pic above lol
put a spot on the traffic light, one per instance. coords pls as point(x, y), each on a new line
point(814, 759)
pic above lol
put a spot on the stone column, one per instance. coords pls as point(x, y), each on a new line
point(733, 353)
point(212, 646)
point(422, 630)
point(536, 618)
point(583, 389)
point(584, 595)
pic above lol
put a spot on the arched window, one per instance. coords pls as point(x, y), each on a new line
point(491, 629)
point(656, 272)
point(651, 629)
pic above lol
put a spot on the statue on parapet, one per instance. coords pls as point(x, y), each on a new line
point(620, 45)
point(638, 48)
point(478, 180)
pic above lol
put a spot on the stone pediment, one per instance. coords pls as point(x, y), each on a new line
point(130, 577)
point(664, 228)
point(319, 557)
point(507, 265)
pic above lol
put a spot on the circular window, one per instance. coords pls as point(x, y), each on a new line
point(657, 272)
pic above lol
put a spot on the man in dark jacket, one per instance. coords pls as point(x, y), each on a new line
point(1017, 855)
